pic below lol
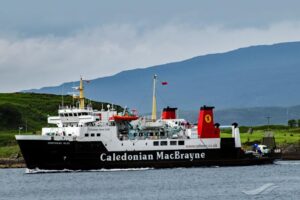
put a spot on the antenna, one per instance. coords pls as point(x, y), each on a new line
point(90, 103)
point(124, 111)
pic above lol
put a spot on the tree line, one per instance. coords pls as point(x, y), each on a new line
point(294, 123)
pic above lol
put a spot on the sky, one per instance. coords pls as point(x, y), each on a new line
point(46, 43)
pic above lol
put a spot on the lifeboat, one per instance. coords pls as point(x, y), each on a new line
point(125, 117)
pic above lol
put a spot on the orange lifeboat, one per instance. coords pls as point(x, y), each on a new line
point(125, 117)
point(128, 116)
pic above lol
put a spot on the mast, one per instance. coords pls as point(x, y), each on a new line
point(154, 99)
point(81, 95)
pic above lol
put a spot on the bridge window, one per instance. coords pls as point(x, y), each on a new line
point(98, 134)
point(181, 142)
point(86, 135)
point(173, 142)
point(75, 114)
point(155, 143)
point(92, 135)
point(163, 143)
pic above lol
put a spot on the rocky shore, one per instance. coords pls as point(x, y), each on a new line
point(12, 163)
point(291, 152)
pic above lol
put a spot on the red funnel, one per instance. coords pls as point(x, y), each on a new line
point(206, 127)
point(169, 113)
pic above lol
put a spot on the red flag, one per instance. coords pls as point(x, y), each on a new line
point(164, 83)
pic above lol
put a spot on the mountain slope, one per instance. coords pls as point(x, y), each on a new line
point(247, 77)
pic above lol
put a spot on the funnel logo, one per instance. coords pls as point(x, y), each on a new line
point(207, 118)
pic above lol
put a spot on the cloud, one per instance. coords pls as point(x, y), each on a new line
point(105, 50)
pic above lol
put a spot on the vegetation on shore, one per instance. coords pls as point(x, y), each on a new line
point(283, 135)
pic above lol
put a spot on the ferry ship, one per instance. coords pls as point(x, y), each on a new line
point(82, 138)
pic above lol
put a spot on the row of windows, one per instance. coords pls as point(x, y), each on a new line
point(143, 134)
point(73, 114)
point(92, 135)
point(165, 143)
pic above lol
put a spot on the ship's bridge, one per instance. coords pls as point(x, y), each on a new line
point(72, 116)
point(69, 116)
point(69, 111)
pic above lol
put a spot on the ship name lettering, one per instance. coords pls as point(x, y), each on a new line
point(125, 157)
point(102, 157)
point(177, 155)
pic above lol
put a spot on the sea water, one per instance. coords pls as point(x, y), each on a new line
point(277, 181)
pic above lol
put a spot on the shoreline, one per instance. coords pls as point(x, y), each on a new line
point(12, 163)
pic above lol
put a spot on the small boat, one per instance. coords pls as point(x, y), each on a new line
point(126, 115)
